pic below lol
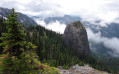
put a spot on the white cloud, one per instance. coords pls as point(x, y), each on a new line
point(111, 43)
point(54, 26)
point(106, 10)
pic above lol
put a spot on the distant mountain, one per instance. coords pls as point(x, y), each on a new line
point(24, 19)
point(65, 19)
point(111, 30)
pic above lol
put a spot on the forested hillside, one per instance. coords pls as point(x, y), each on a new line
point(50, 49)
point(99, 50)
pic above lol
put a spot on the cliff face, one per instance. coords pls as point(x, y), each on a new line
point(75, 37)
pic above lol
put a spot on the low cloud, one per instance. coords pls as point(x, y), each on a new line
point(105, 10)
point(54, 26)
point(111, 43)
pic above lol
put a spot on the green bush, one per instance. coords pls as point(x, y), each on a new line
point(27, 64)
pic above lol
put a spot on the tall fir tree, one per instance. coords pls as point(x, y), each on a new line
point(21, 57)
point(13, 40)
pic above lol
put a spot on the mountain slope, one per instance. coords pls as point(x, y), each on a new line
point(51, 49)
point(110, 31)
point(98, 49)
point(24, 19)
point(66, 19)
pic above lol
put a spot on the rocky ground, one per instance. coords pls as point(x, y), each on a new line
point(80, 70)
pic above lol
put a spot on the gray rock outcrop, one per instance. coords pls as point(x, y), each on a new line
point(75, 37)
point(76, 69)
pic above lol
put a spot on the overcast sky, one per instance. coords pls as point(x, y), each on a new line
point(107, 10)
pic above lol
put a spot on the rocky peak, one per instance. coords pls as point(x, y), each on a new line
point(75, 37)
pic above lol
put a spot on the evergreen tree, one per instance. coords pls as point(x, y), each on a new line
point(21, 57)
point(43, 50)
point(13, 41)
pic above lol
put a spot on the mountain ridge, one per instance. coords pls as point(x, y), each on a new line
point(24, 19)
point(66, 19)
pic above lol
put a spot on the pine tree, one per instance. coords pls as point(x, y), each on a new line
point(13, 40)
point(0, 33)
point(43, 49)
